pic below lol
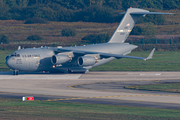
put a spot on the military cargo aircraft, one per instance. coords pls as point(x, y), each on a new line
point(81, 58)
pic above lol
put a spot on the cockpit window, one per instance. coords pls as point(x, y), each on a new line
point(15, 55)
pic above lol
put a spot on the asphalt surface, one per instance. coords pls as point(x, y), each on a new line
point(92, 87)
point(120, 86)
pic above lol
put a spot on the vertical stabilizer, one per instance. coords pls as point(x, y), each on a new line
point(127, 23)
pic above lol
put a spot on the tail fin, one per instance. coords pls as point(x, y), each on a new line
point(127, 23)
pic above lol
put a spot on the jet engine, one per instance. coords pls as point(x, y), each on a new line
point(87, 61)
point(59, 59)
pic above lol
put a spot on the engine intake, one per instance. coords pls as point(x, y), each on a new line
point(87, 61)
point(59, 59)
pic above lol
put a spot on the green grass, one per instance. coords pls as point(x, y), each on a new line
point(16, 109)
point(3, 54)
point(166, 87)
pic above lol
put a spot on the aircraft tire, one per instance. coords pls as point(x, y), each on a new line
point(15, 72)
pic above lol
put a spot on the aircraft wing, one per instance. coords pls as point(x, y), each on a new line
point(105, 55)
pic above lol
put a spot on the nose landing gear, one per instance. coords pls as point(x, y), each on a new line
point(15, 72)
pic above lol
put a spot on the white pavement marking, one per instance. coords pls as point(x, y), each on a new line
point(8, 75)
point(151, 74)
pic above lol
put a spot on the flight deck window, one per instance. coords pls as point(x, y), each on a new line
point(15, 55)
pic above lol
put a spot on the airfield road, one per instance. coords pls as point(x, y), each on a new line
point(92, 87)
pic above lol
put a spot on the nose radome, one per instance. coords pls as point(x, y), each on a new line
point(9, 62)
point(7, 57)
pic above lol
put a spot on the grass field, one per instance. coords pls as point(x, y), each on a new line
point(166, 87)
point(16, 109)
point(162, 61)
point(3, 54)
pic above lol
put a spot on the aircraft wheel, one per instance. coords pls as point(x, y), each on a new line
point(15, 72)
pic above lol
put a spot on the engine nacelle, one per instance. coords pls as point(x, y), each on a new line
point(87, 61)
point(59, 59)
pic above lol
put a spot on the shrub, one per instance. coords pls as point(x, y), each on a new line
point(34, 37)
point(4, 39)
point(89, 37)
point(137, 30)
point(156, 19)
point(36, 20)
point(149, 30)
point(96, 14)
point(96, 38)
point(68, 32)
point(102, 38)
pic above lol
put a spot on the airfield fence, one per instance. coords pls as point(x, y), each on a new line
point(154, 41)
point(159, 44)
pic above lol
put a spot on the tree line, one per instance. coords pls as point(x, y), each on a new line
point(115, 4)
point(79, 10)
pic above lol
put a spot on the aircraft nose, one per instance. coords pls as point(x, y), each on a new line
point(9, 62)
point(7, 57)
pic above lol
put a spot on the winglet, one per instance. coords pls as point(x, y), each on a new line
point(150, 55)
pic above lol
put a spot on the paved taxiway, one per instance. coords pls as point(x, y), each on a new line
point(92, 87)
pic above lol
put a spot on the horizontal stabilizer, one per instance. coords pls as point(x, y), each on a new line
point(150, 13)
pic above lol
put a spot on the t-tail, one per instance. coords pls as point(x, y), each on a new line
point(127, 23)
